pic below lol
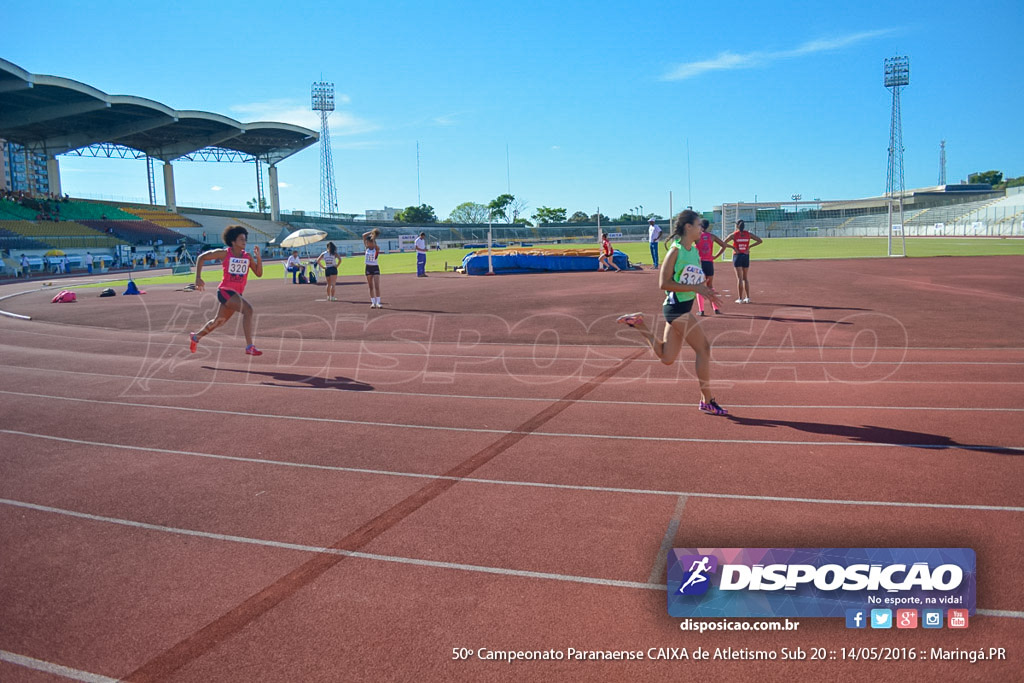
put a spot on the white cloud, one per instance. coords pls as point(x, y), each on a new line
point(283, 184)
point(216, 188)
point(729, 60)
point(291, 111)
point(556, 147)
point(446, 120)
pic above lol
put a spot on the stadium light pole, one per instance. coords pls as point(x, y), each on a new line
point(641, 211)
point(490, 241)
point(896, 77)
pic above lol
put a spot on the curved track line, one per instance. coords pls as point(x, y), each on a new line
point(335, 555)
point(113, 333)
point(479, 397)
point(53, 669)
point(529, 484)
point(518, 432)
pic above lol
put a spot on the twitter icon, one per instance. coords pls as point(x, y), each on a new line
point(881, 618)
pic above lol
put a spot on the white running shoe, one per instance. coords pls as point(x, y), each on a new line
point(739, 301)
point(747, 300)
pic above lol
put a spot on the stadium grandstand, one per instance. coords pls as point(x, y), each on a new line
point(942, 211)
point(48, 116)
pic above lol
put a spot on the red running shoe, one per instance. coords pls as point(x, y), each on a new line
point(251, 350)
point(632, 319)
point(192, 342)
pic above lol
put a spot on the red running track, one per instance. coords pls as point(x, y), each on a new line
point(383, 486)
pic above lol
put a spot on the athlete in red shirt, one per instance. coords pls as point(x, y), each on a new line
point(235, 264)
point(742, 241)
point(605, 261)
point(706, 248)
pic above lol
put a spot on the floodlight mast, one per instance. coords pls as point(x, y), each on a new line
point(896, 77)
point(323, 102)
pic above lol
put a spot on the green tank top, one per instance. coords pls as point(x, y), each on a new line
point(687, 271)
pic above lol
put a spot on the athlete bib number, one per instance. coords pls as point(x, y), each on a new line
point(238, 266)
point(691, 275)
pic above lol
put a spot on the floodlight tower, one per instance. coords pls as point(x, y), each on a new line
point(323, 102)
point(942, 163)
point(897, 76)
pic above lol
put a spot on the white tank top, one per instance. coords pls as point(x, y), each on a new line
point(329, 260)
point(371, 256)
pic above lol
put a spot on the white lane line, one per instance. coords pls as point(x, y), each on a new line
point(1001, 613)
point(630, 347)
point(503, 432)
point(53, 669)
point(667, 541)
point(335, 551)
point(596, 352)
point(530, 484)
point(595, 358)
point(479, 397)
point(501, 571)
point(576, 375)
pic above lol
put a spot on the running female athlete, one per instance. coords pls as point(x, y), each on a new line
point(681, 278)
point(236, 264)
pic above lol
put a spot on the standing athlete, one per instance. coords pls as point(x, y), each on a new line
point(705, 248)
point(372, 269)
point(330, 260)
point(236, 263)
point(742, 242)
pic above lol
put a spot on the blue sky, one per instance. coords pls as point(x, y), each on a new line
point(595, 102)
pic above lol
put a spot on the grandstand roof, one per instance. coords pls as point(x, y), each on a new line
point(54, 115)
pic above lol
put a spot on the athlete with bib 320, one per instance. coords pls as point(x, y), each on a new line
point(236, 263)
point(681, 278)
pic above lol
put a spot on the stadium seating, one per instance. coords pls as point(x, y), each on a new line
point(138, 231)
point(11, 210)
point(62, 235)
point(15, 241)
point(162, 217)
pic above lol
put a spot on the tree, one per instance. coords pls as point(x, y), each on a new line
point(579, 217)
point(604, 219)
point(548, 215)
point(468, 212)
point(499, 206)
point(519, 207)
point(990, 177)
point(416, 214)
point(260, 206)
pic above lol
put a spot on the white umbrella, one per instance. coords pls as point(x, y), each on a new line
point(301, 238)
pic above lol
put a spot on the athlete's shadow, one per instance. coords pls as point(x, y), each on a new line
point(775, 318)
point(875, 435)
point(397, 310)
point(289, 379)
point(814, 308)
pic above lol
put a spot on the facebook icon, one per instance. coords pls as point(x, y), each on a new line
point(856, 618)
